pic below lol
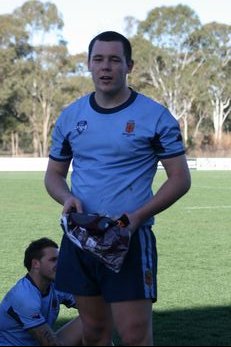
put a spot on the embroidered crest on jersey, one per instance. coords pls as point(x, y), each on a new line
point(81, 126)
point(129, 128)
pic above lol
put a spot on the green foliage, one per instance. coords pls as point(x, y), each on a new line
point(186, 67)
point(39, 16)
point(37, 79)
point(178, 62)
point(169, 26)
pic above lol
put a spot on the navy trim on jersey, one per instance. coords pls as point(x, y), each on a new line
point(14, 315)
point(171, 155)
point(66, 148)
point(100, 109)
point(34, 284)
point(58, 159)
point(31, 281)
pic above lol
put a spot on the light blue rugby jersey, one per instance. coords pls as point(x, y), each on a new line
point(24, 307)
point(115, 151)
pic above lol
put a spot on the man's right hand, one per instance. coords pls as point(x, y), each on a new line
point(72, 204)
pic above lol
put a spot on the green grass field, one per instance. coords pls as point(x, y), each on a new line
point(193, 239)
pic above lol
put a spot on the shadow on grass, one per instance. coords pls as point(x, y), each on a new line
point(208, 326)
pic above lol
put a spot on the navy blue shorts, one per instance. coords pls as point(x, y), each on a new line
point(81, 274)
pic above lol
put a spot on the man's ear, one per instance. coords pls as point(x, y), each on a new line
point(35, 264)
point(130, 65)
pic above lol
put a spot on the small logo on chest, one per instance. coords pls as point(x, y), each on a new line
point(81, 126)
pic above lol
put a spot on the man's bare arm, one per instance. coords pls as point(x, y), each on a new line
point(45, 336)
point(178, 182)
point(55, 180)
point(57, 187)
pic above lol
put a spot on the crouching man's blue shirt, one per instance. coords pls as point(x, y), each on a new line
point(24, 307)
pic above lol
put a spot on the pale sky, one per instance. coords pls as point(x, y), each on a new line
point(83, 19)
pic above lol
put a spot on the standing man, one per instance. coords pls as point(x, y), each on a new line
point(115, 137)
point(31, 307)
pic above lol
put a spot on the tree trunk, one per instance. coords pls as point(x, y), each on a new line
point(14, 144)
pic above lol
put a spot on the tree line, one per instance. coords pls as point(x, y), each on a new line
point(178, 61)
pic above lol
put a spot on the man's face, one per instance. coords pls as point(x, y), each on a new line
point(108, 66)
point(48, 263)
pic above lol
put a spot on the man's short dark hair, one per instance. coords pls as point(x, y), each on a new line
point(35, 250)
point(112, 36)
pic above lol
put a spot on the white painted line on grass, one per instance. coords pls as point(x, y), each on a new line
point(207, 207)
point(211, 187)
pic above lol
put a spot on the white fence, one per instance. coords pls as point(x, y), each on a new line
point(23, 164)
point(40, 164)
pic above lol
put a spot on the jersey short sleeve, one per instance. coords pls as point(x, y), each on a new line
point(27, 310)
point(66, 299)
point(60, 149)
point(65, 126)
point(168, 141)
point(22, 306)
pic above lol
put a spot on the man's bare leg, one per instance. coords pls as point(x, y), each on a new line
point(133, 320)
point(97, 321)
point(71, 333)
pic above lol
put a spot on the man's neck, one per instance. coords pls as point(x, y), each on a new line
point(107, 100)
point(42, 284)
